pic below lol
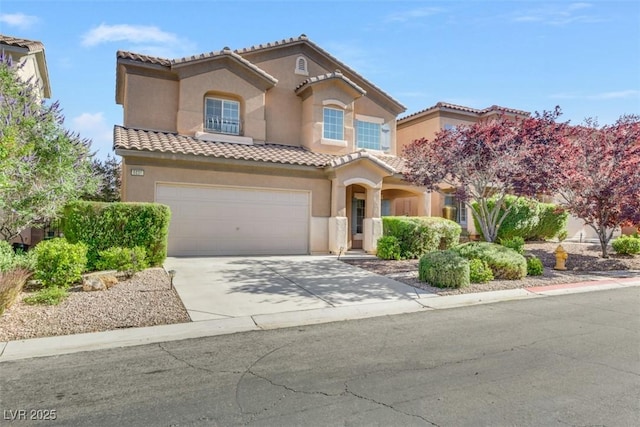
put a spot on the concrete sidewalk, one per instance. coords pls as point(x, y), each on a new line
point(229, 295)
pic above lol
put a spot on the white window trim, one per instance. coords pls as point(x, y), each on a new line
point(335, 103)
point(223, 100)
point(332, 104)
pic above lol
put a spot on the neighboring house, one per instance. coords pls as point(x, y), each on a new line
point(425, 124)
point(33, 67)
point(273, 149)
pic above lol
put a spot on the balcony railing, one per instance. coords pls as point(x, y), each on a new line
point(223, 125)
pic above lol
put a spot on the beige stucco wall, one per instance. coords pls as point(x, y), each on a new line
point(150, 103)
point(142, 188)
point(227, 85)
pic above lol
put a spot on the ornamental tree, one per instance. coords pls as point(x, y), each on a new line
point(600, 179)
point(109, 173)
point(489, 160)
point(42, 165)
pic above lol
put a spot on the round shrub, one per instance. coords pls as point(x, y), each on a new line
point(122, 259)
point(534, 266)
point(60, 263)
point(444, 269)
point(626, 245)
point(505, 263)
point(388, 248)
point(479, 271)
point(515, 243)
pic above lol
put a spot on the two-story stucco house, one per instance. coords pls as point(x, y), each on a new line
point(425, 124)
point(273, 149)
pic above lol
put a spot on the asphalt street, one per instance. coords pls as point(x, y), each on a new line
point(555, 361)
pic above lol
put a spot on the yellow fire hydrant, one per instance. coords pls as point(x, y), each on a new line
point(561, 258)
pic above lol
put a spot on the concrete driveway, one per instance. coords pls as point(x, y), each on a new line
point(221, 287)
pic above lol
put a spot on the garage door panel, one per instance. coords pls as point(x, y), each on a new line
point(234, 221)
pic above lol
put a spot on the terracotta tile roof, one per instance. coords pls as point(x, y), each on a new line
point(153, 141)
point(391, 163)
point(304, 39)
point(335, 75)
point(446, 105)
point(171, 63)
point(30, 45)
point(165, 142)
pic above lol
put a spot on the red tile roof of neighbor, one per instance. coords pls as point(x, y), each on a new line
point(446, 105)
point(30, 45)
point(172, 143)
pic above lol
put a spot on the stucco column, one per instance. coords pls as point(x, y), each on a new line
point(424, 204)
point(372, 224)
point(338, 223)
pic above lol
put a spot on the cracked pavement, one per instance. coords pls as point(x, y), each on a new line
point(569, 360)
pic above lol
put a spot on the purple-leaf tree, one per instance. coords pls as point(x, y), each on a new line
point(42, 166)
point(600, 178)
point(488, 160)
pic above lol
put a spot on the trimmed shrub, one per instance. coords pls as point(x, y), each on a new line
point(626, 245)
point(515, 243)
point(53, 295)
point(444, 269)
point(11, 284)
point(479, 271)
point(528, 218)
point(419, 235)
point(534, 266)
point(127, 260)
point(60, 263)
point(388, 248)
point(553, 221)
point(105, 225)
point(505, 263)
point(6, 255)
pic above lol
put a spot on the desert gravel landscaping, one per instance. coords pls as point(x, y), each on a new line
point(144, 300)
point(147, 299)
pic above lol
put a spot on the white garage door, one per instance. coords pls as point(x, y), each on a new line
point(235, 221)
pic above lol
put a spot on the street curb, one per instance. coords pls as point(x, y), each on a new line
point(59, 345)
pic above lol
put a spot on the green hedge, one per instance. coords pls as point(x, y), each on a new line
point(444, 269)
point(529, 219)
point(505, 263)
point(419, 235)
point(105, 225)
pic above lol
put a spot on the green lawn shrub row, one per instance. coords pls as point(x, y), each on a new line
point(505, 263)
point(127, 225)
point(626, 245)
point(416, 236)
point(529, 219)
point(444, 269)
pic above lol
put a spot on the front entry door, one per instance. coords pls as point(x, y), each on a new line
point(357, 221)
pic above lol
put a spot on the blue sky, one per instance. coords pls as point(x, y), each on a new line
point(583, 56)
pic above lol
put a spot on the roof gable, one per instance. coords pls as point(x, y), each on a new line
point(29, 47)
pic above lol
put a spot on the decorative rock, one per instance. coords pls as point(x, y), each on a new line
point(93, 283)
point(109, 281)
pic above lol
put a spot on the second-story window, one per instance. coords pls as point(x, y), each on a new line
point(368, 135)
point(222, 115)
point(333, 124)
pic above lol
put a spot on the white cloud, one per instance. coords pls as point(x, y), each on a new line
point(410, 15)
point(131, 33)
point(149, 40)
point(558, 14)
point(18, 20)
point(93, 126)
